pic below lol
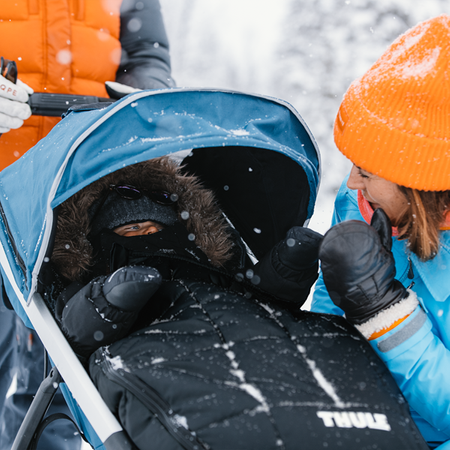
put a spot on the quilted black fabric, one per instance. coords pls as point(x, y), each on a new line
point(229, 371)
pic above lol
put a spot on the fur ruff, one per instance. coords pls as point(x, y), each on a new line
point(73, 254)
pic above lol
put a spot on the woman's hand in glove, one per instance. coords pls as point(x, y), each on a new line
point(13, 107)
point(358, 267)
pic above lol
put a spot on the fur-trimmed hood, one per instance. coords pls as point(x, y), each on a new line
point(196, 208)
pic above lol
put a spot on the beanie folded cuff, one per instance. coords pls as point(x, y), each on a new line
point(404, 158)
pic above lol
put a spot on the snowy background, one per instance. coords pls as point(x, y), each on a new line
point(304, 51)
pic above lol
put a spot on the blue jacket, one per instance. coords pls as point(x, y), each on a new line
point(417, 351)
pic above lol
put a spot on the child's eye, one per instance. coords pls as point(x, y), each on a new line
point(133, 228)
point(362, 174)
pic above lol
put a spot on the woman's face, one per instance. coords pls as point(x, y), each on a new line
point(379, 192)
point(138, 229)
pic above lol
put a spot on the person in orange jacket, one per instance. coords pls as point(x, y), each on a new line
point(77, 46)
point(72, 48)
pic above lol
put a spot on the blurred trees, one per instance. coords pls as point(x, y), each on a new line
point(326, 44)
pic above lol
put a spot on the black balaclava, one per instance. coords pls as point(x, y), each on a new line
point(168, 250)
point(172, 250)
point(158, 249)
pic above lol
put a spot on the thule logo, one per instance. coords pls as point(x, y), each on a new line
point(351, 419)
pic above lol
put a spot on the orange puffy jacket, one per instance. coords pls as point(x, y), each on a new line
point(60, 46)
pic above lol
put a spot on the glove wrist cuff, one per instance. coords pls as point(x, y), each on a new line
point(388, 316)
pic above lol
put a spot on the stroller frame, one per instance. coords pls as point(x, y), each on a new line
point(34, 311)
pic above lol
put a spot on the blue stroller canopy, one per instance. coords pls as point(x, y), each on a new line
point(88, 144)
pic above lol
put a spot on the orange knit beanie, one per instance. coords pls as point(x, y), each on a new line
point(394, 121)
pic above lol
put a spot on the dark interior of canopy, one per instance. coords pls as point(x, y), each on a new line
point(262, 192)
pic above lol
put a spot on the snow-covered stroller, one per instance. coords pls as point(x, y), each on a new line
point(240, 144)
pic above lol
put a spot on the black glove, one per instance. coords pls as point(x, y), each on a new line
point(106, 308)
point(129, 288)
point(290, 269)
point(358, 267)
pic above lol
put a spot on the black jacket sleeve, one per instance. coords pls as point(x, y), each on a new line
point(145, 62)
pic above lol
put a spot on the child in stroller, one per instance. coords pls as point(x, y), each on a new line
point(120, 215)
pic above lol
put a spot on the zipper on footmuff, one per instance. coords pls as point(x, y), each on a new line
point(154, 403)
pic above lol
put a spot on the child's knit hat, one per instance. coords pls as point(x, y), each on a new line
point(394, 121)
point(117, 211)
